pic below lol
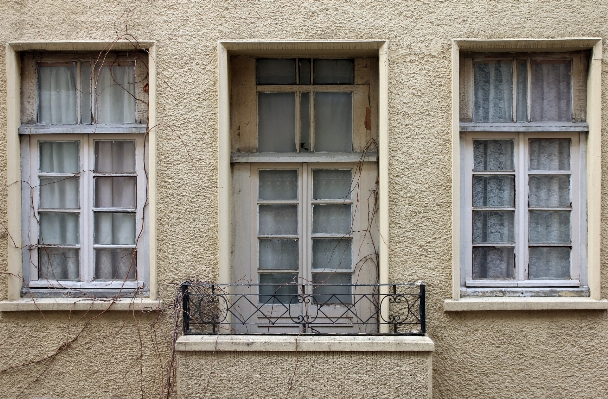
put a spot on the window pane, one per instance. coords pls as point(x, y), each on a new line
point(305, 122)
point(551, 90)
point(493, 91)
point(59, 157)
point(59, 228)
point(329, 253)
point(549, 263)
point(493, 227)
point(331, 184)
point(493, 155)
point(279, 254)
point(493, 263)
point(114, 228)
point(276, 71)
point(549, 226)
point(331, 219)
point(57, 96)
point(115, 192)
point(549, 154)
point(278, 184)
point(276, 122)
point(304, 71)
point(278, 288)
point(522, 90)
point(85, 95)
point(333, 122)
point(59, 192)
point(496, 191)
point(58, 264)
point(278, 219)
point(117, 156)
point(115, 264)
point(334, 72)
point(115, 94)
point(549, 191)
point(325, 293)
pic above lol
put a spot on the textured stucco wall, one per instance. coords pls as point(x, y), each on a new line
point(478, 354)
point(303, 374)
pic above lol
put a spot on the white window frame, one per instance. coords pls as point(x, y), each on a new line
point(578, 264)
point(86, 229)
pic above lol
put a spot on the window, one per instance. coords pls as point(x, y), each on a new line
point(85, 193)
point(523, 165)
point(304, 177)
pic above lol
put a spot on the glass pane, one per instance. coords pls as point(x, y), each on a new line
point(115, 192)
point(549, 191)
point(549, 263)
point(59, 192)
point(279, 254)
point(59, 157)
point(115, 94)
point(58, 264)
point(551, 93)
point(549, 226)
point(334, 72)
point(493, 155)
point(331, 184)
point(493, 227)
point(549, 154)
point(115, 264)
point(57, 95)
point(278, 184)
point(278, 219)
point(114, 228)
point(326, 293)
point(496, 191)
point(493, 91)
point(85, 95)
point(304, 71)
point(522, 90)
point(276, 122)
point(276, 71)
point(331, 219)
point(330, 253)
point(117, 156)
point(333, 122)
point(493, 263)
point(305, 122)
point(59, 228)
point(277, 288)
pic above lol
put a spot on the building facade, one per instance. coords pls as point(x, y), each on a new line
point(298, 164)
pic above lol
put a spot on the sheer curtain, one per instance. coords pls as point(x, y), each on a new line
point(115, 94)
point(57, 103)
point(493, 91)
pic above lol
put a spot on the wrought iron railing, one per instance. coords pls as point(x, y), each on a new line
point(397, 309)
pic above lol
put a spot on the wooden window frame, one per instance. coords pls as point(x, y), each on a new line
point(31, 199)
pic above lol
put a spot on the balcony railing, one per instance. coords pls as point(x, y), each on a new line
point(396, 309)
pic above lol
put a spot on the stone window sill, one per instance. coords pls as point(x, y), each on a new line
point(525, 303)
point(79, 304)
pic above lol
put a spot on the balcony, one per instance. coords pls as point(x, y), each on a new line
point(319, 309)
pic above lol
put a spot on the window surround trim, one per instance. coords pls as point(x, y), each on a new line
point(14, 222)
point(300, 48)
point(593, 147)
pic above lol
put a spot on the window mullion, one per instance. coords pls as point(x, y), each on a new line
point(521, 206)
point(87, 261)
point(305, 228)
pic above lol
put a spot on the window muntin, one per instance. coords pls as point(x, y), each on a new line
point(526, 207)
point(87, 212)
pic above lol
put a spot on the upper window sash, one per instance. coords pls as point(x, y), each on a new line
point(534, 90)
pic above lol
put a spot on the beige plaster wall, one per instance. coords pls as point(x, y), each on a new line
point(478, 354)
point(303, 374)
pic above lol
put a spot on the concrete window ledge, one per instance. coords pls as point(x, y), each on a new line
point(78, 304)
point(504, 303)
point(303, 343)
